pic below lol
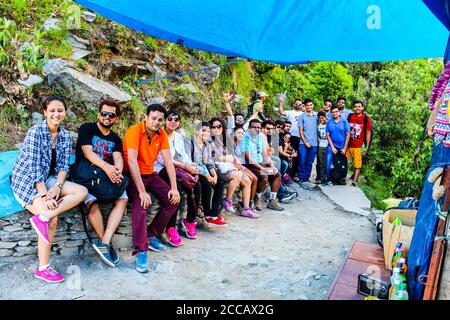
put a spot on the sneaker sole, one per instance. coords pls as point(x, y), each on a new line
point(106, 261)
point(175, 245)
point(154, 249)
point(276, 209)
point(287, 199)
point(49, 281)
point(185, 231)
point(212, 225)
point(38, 231)
point(141, 270)
point(251, 217)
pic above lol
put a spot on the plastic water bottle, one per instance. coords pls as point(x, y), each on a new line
point(397, 254)
point(400, 267)
point(394, 288)
point(400, 293)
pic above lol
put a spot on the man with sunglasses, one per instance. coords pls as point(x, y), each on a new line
point(233, 120)
point(98, 144)
point(257, 159)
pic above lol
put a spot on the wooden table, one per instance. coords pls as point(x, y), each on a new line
point(363, 257)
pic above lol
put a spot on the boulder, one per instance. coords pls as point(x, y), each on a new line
point(6, 252)
point(24, 243)
point(7, 245)
point(31, 81)
point(51, 24)
point(55, 65)
point(83, 87)
point(207, 77)
point(157, 100)
point(28, 235)
point(36, 118)
point(21, 251)
point(78, 42)
point(79, 53)
point(189, 87)
point(88, 16)
point(2, 100)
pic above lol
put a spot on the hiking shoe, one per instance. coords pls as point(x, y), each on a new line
point(155, 244)
point(353, 184)
point(259, 203)
point(228, 205)
point(287, 196)
point(216, 221)
point(142, 261)
point(174, 238)
point(114, 257)
point(274, 205)
point(189, 229)
point(252, 205)
point(41, 228)
point(249, 213)
point(49, 275)
point(103, 251)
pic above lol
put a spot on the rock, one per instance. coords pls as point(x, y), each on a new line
point(78, 236)
point(78, 43)
point(36, 118)
point(125, 230)
point(238, 98)
point(75, 243)
point(88, 16)
point(155, 70)
point(85, 87)
point(60, 238)
point(21, 251)
point(207, 77)
point(6, 252)
point(158, 60)
point(4, 223)
point(51, 24)
point(189, 87)
point(31, 81)
point(18, 236)
point(69, 252)
point(7, 245)
point(55, 65)
point(118, 67)
point(157, 100)
point(24, 243)
point(310, 274)
point(317, 277)
point(2, 100)
point(72, 115)
point(79, 53)
point(122, 241)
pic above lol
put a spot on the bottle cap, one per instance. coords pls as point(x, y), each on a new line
point(396, 270)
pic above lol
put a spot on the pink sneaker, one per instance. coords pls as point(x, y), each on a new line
point(249, 213)
point(49, 275)
point(41, 228)
point(228, 205)
point(175, 239)
point(189, 228)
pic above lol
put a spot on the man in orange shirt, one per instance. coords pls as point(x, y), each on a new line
point(141, 145)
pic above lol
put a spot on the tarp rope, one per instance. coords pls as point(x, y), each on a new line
point(140, 81)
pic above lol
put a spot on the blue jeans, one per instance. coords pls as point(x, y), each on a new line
point(329, 160)
point(425, 228)
point(284, 167)
point(306, 160)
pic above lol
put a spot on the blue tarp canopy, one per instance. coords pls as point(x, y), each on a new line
point(288, 31)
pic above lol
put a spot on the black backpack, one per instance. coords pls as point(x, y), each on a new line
point(339, 168)
point(250, 111)
point(97, 181)
point(366, 120)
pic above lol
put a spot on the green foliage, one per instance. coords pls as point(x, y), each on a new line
point(151, 42)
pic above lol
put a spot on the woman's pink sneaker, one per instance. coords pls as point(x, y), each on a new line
point(174, 238)
point(249, 213)
point(190, 229)
point(41, 228)
point(49, 275)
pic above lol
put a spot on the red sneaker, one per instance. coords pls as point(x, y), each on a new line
point(216, 221)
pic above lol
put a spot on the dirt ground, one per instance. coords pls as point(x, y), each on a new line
point(294, 254)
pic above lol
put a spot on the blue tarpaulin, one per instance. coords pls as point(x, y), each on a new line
point(7, 200)
point(289, 31)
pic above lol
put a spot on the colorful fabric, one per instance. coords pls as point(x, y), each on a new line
point(356, 154)
point(33, 164)
point(442, 125)
point(357, 130)
point(254, 147)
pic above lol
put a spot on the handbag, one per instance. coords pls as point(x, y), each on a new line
point(97, 181)
point(186, 179)
point(224, 167)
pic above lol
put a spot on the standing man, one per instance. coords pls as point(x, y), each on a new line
point(142, 143)
point(307, 125)
point(293, 116)
point(341, 101)
point(360, 133)
point(258, 161)
point(256, 109)
point(99, 145)
point(327, 108)
point(338, 134)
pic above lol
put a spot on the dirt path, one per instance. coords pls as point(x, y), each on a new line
point(294, 254)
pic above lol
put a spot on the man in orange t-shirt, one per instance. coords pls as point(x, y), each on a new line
point(141, 145)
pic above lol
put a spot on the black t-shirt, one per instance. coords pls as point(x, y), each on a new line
point(103, 146)
point(52, 163)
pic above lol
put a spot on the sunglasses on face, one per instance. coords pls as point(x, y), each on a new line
point(239, 119)
point(111, 115)
point(216, 127)
point(174, 119)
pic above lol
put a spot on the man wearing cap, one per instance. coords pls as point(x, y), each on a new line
point(256, 109)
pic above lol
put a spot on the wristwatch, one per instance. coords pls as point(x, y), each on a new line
point(59, 185)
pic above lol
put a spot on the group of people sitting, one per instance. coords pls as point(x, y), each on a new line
point(251, 153)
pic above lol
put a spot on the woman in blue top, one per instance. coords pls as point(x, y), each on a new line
point(38, 180)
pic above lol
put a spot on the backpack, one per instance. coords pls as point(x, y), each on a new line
point(365, 120)
point(338, 168)
point(97, 181)
point(250, 111)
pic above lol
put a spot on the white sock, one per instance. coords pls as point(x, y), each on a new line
point(259, 194)
point(41, 268)
point(43, 218)
point(273, 195)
